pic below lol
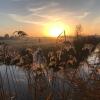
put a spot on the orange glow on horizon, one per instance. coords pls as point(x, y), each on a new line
point(54, 29)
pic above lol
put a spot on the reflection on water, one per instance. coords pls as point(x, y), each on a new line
point(22, 84)
point(17, 83)
point(14, 80)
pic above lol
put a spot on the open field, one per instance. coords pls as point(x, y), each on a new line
point(28, 42)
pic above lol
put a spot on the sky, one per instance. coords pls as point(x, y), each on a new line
point(33, 16)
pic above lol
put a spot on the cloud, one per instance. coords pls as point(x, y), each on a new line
point(40, 12)
point(44, 12)
point(41, 8)
point(84, 15)
point(33, 18)
point(36, 16)
point(37, 9)
point(24, 19)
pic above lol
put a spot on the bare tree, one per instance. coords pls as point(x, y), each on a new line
point(78, 30)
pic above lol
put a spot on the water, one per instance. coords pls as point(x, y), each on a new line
point(21, 84)
point(15, 81)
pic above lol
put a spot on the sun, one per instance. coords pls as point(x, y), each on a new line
point(55, 29)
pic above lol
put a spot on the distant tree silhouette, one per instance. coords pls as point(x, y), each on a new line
point(78, 30)
point(6, 36)
point(19, 34)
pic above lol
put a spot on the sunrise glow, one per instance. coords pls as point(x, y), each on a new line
point(54, 29)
